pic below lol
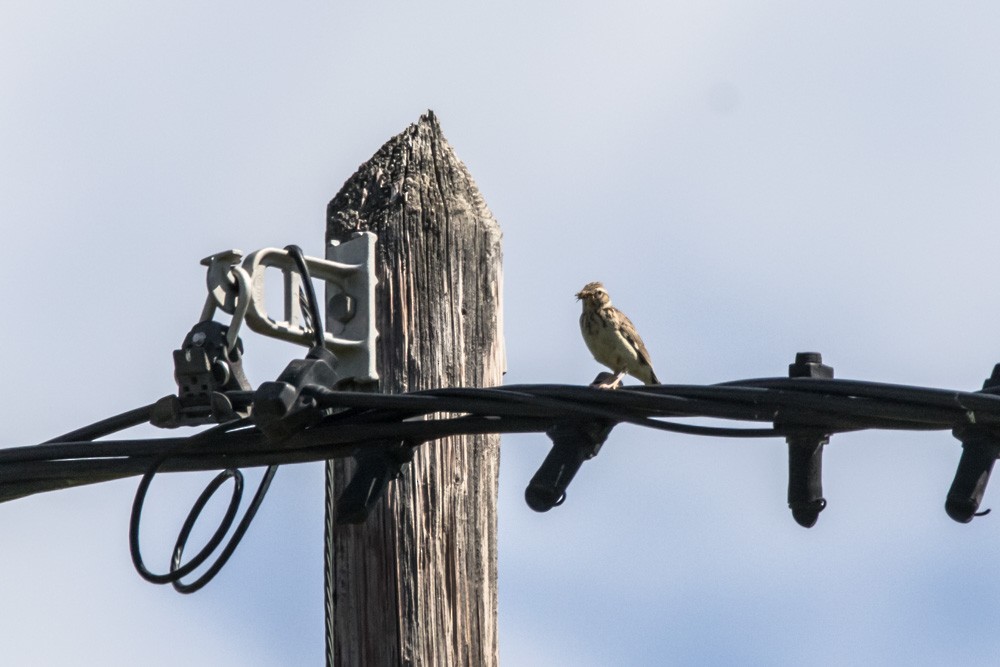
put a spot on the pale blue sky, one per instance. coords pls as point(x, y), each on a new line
point(748, 179)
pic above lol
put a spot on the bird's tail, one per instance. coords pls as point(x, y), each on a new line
point(652, 377)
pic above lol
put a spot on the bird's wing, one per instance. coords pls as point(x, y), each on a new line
point(629, 333)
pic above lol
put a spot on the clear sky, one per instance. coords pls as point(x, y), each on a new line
point(748, 179)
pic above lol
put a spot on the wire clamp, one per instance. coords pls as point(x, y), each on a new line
point(572, 443)
point(980, 449)
point(349, 274)
point(210, 361)
point(805, 451)
point(279, 407)
point(377, 466)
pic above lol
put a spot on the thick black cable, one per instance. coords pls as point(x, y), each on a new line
point(831, 409)
point(505, 394)
point(943, 398)
point(107, 426)
point(73, 449)
point(792, 409)
point(356, 420)
point(789, 404)
point(814, 402)
point(527, 406)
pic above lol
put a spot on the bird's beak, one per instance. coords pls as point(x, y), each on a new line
point(579, 296)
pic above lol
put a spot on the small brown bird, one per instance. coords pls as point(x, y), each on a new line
point(611, 337)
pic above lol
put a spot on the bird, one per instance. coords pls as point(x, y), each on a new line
point(611, 337)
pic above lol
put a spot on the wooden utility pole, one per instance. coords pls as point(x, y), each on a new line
point(416, 583)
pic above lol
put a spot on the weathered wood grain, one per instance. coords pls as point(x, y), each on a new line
point(416, 584)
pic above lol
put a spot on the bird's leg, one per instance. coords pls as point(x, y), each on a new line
point(608, 381)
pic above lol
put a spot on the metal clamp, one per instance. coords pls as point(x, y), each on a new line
point(349, 274)
point(980, 449)
point(210, 361)
point(205, 368)
point(573, 442)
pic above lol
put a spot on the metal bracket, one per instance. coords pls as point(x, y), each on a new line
point(350, 304)
point(349, 274)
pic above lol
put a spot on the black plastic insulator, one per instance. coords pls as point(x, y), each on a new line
point(980, 449)
point(377, 467)
point(805, 451)
point(805, 478)
point(572, 444)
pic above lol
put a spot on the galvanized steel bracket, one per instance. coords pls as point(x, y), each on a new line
point(349, 274)
point(350, 306)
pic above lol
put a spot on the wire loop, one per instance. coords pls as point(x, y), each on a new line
point(177, 570)
point(230, 547)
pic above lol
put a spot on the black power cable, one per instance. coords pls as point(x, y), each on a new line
point(107, 426)
point(342, 423)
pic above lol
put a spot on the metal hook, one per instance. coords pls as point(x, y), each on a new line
point(228, 290)
point(222, 287)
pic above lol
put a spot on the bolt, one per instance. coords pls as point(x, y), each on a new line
point(992, 385)
point(341, 307)
point(198, 338)
point(809, 365)
point(808, 358)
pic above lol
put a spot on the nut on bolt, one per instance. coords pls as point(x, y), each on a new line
point(342, 307)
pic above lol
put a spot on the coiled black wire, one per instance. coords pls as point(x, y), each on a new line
point(177, 571)
point(227, 551)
